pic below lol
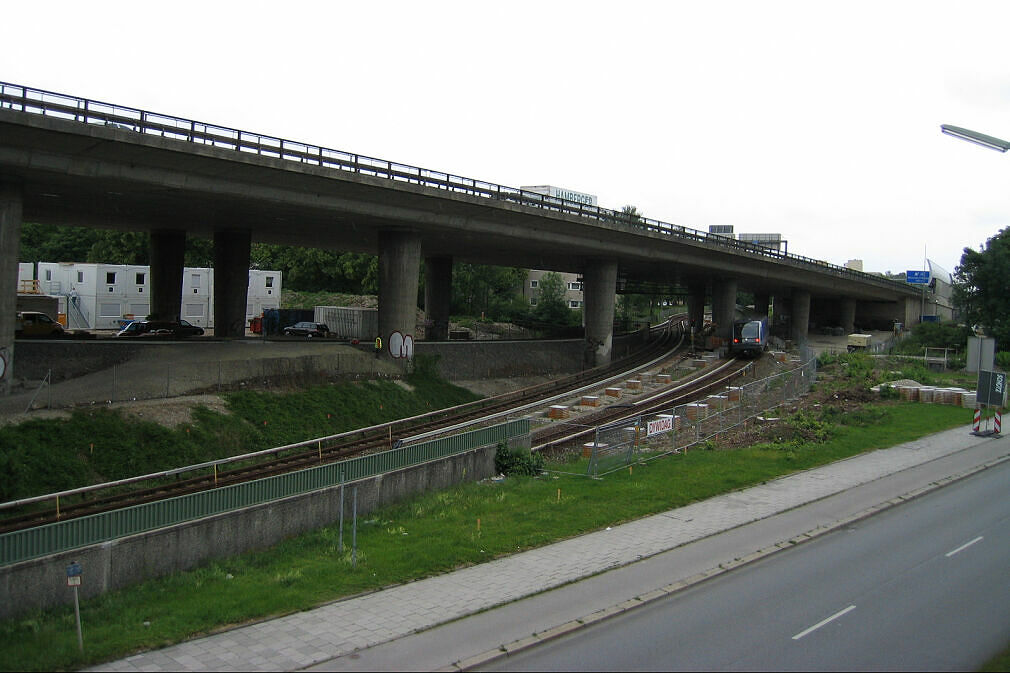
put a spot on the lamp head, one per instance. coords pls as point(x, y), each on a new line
point(976, 137)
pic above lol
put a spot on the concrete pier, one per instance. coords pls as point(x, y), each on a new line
point(231, 281)
point(599, 287)
point(437, 297)
point(800, 316)
point(10, 240)
point(399, 266)
point(724, 306)
point(168, 253)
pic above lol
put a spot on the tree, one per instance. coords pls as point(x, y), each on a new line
point(495, 291)
point(982, 287)
point(552, 309)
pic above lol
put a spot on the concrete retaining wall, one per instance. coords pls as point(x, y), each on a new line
point(467, 360)
point(68, 359)
point(42, 583)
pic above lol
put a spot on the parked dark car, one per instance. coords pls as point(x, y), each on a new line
point(307, 329)
point(160, 328)
point(37, 324)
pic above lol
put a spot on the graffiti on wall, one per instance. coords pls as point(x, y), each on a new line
point(401, 346)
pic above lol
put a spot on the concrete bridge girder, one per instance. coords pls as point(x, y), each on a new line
point(155, 182)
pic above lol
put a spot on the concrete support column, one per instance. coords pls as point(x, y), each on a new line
point(800, 314)
point(399, 265)
point(168, 253)
point(724, 307)
point(696, 305)
point(599, 287)
point(780, 309)
point(761, 300)
point(913, 312)
point(437, 296)
point(11, 208)
point(848, 317)
point(231, 281)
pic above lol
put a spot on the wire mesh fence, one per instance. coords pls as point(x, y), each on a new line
point(646, 437)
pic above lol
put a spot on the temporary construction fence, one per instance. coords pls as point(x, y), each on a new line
point(51, 538)
point(675, 430)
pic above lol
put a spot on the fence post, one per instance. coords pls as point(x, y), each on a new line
point(340, 537)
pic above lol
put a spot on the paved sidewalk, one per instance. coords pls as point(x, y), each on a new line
point(311, 637)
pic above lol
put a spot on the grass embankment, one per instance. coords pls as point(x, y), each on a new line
point(98, 445)
point(437, 532)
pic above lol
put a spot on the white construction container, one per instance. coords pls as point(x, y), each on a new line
point(350, 322)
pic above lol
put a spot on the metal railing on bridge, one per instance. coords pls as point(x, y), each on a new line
point(63, 106)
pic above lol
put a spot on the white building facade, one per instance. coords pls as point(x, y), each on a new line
point(101, 296)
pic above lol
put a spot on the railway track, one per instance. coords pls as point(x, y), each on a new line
point(666, 340)
point(563, 436)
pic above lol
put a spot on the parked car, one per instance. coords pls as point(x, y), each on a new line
point(36, 324)
point(160, 328)
point(307, 329)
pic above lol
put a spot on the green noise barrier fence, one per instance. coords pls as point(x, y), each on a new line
point(52, 538)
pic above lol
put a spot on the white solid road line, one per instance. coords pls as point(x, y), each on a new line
point(963, 547)
point(823, 622)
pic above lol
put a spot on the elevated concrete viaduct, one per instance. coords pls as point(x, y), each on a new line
point(61, 162)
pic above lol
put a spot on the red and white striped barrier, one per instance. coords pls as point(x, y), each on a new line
point(997, 420)
point(976, 422)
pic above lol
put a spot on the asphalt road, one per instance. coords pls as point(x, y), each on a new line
point(923, 586)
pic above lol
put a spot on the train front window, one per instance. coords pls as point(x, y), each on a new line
point(751, 330)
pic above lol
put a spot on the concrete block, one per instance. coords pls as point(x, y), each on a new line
point(590, 401)
point(717, 402)
point(558, 411)
point(696, 411)
point(587, 448)
point(663, 379)
point(613, 392)
point(733, 393)
point(633, 384)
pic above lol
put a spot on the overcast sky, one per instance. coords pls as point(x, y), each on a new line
point(819, 121)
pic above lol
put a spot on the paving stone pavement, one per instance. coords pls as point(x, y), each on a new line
point(306, 638)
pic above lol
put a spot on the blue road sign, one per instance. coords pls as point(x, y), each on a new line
point(917, 277)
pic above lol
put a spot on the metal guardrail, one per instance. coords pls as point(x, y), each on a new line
point(52, 538)
point(64, 106)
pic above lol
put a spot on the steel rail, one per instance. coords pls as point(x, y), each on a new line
point(366, 435)
point(660, 401)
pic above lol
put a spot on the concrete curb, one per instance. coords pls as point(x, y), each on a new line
point(508, 649)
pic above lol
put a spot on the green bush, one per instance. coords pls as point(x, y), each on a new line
point(888, 392)
point(517, 462)
point(1002, 360)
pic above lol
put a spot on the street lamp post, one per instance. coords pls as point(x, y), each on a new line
point(999, 145)
point(976, 137)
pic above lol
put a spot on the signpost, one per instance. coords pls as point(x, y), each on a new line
point(913, 277)
point(74, 572)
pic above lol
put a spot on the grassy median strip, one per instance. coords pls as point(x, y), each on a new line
point(428, 535)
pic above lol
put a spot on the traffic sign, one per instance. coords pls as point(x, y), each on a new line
point(917, 277)
point(74, 572)
point(991, 388)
